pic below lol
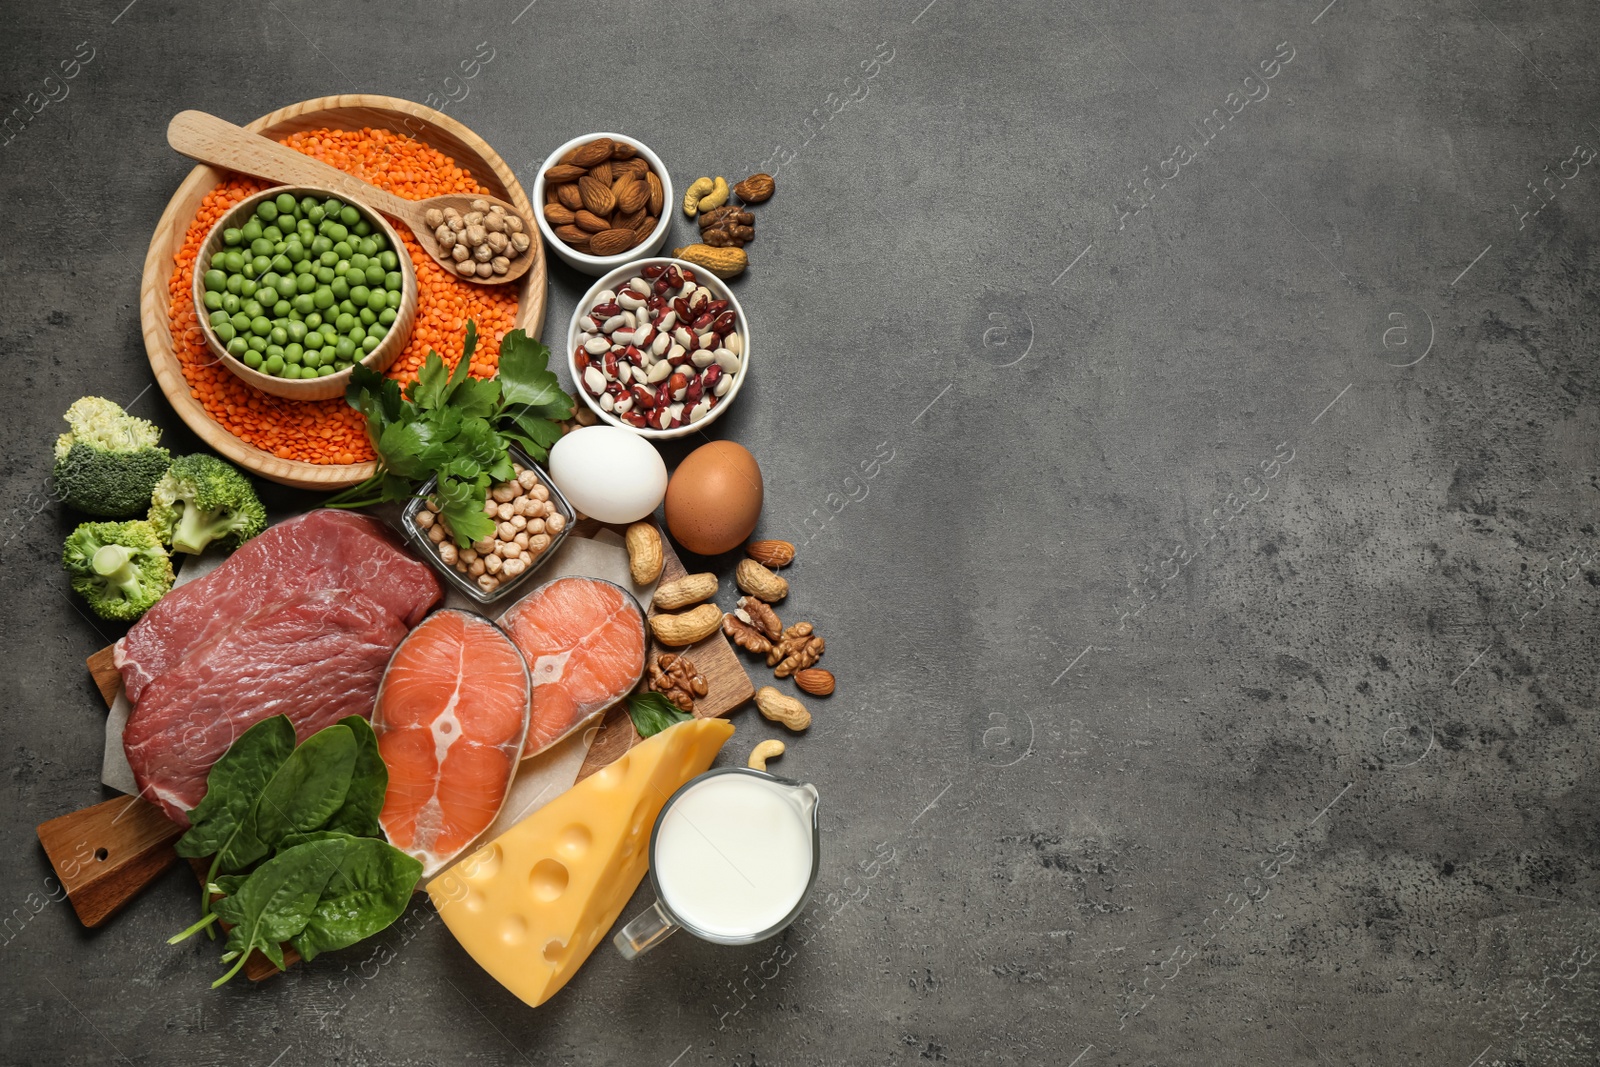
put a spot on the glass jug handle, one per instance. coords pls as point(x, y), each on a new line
point(647, 930)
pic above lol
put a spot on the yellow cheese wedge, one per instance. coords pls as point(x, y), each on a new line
point(532, 904)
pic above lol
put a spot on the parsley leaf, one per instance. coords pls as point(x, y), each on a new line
point(527, 385)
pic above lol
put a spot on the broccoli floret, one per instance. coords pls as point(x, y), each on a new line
point(201, 499)
point(108, 463)
point(120, 568)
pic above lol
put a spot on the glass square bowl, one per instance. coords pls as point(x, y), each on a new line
point(460, 580)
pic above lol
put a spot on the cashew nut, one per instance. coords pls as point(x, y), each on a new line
point(691, 196)
point(717, 197)
point(761, 753)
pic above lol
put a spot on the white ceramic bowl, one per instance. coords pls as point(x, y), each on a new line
point(620, 276)
point(583, 261)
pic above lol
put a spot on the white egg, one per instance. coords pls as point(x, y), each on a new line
point(609, 473)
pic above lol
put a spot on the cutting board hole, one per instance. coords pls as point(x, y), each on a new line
point(101, 854)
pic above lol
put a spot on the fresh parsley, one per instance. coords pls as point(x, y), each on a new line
point(457, 428)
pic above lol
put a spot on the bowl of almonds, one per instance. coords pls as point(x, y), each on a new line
point(604, 200)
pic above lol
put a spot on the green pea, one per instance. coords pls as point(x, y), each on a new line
point(297, 331)
point(241, 322)
point(325, 275)
point(261, 247)
point(250, 230)
point(287, 287)
point(323, 297)
point(233, 262)
point(378, 330)
point(257, 344)
point(273, 350)
point(247, 287)
point(213, 301)
point(349, 215)
point(287, 204)
point(282, 263)
point(333, 205)
point(272, 233)
point(304, 284)
point(344, 249)
point(305, 267)
point(273, 365)
point(218, 259)
point(395, 296)
point(340, 288)
point(278, 336)
point(354, 276)
point(303, 304)
point(251, 359)
point(313, 341)
point(281, 309)
point(216, 316)
point(377, 300)
point(292, 355)
point(252, 307)
point(290, 371)
point(295, 252)
point(394, 281)
point(348, 306)
point(378, 242)
point(329, 260)
point(319, 245)
point(388, 261)
point(387, 316)
point(344, 348)
point(362, 228)
point(359, 294)
point(294, 314)
point(325, 372)
point(305, 231)
point(367, 318)
point(313, 321)
point(230, 303)
point(311, 359)
point(359, 259)
point(315, 214)
point(307, 203)
point(329, 333)
point(232, 236)
point(278, 247)
point(343, 323)
point(236, 283)
point(369, 343)
point(262, 264)
point(225, 332)
point(373, 275)
point(336, 231)
point(261, 326)
point(267, 210)
point(268, 280)
point(357, 333)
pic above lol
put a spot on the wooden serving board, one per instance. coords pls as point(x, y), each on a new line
point(728, 684)
point(349, 112)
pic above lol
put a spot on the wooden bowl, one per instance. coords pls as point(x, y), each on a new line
point(351, 112)
point(324, 388)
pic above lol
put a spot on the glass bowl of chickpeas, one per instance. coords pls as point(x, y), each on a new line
point(296, 285)
point(531, 520)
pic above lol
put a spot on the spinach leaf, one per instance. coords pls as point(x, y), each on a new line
point(369, 890)
point(369, 781)
point(309, 787)
point(651, 713)
point(276, 901)
point(232, 787)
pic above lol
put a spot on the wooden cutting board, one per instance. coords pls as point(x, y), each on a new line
point(728, 685)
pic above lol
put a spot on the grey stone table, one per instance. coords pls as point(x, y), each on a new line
point(1188, 417)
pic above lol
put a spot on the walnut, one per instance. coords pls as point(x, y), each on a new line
point(795, 650)
point(760, 615)
point(678, 679)
point(745, 635)
point(726, 227)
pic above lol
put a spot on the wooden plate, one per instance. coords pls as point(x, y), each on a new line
point(351, 112)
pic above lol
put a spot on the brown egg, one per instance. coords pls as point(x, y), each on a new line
point(714, 498)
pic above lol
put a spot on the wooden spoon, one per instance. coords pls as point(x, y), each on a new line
point(220, 143)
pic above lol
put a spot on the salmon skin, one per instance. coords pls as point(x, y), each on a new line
point(451, 717)
point(584, 642)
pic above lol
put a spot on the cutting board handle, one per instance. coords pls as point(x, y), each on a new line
point(107, 854)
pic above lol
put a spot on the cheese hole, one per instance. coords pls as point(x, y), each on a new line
point(553, 950)
point(514, 931)
point(548, 880)
point(575, 840)
point(612, 776)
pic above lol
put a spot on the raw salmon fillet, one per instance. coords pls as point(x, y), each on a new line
point(451, 717)
point(584, 642)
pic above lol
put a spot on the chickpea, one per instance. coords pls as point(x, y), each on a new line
point(436, 533)
point(555, 523)
point(506, 531)
point(521, 540)
point(492, 564)
point(504, 493)
point(505, 511)
point(477, 568)
point(431, 505)
point(513, 567)
point(488, 583)
point(519, 522)
point(449, 553)
point(483, 547)
point(527, 479)
point(538, 543)
point(536, 526)
point(508, 549)
point(539, 492)
point(490, 507)
point(425, 519)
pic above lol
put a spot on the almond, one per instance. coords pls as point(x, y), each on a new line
point(603, 173)
point(591, 222)
point(630, 221)
point(755, 189)
point(610, 242)
point(569, 196)
point(656, 194)
point(557, 214)
point(562, 173)
point(771, 553)
point(594, 153)
point(596, 195)
point(646, 228)
point(631, 195)
point(573, 236)
point(815, 680)
point(550, 194)
point(623, 150)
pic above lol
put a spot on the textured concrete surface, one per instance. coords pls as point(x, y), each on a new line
point(1209, 564)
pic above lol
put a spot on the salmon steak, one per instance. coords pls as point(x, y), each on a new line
point(584, 642)
point(451, 716)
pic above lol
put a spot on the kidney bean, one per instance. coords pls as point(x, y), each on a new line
point(653, 271)
point(673, 275)
point(681, 306)
point(610, 364)
point(605, 309)
point(701, 321)
point(662, 286)
point(717, 307)
point(724, 322)
point(663, 395)
point(634, 418)
point(643, 397)
point(580, 359)
point(689, 275)
point(692, 391)
point(710, 375)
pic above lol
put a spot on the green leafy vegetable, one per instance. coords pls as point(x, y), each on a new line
point(369, 890)
point(234, 785)
point(369, 781)
point(651, 713)
point(449, 425)
point(276, 901)
point(309, 788)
